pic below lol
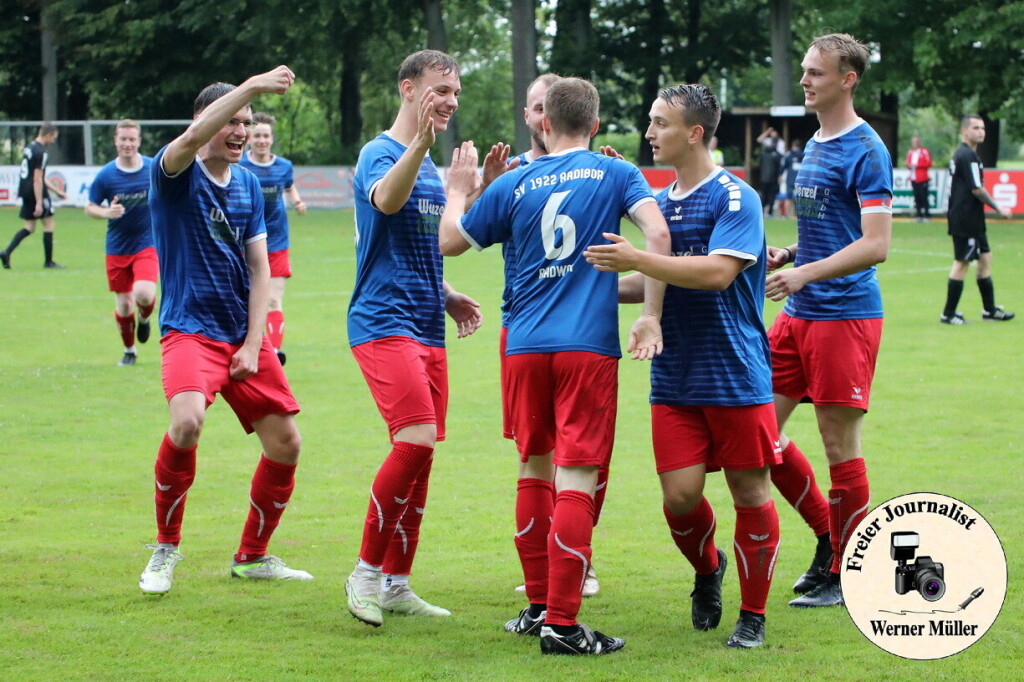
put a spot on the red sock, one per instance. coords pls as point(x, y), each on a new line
point(146, 310)
point(389, 496)
point(127, 327)
point(535, 505)
point(568, 555)
point(175, 470)
point(756, 543)
point(694, 535)
point(794, 478)
point(599, 492)
point(271, 488)
point(275, 328)
point(402, 550)
point(848, 501)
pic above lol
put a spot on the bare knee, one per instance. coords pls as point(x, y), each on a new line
point(749, 487)
point(680, 500)
point(186, 427)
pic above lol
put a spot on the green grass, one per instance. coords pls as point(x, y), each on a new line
point(78, 436)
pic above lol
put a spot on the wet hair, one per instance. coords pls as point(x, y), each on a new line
point(47, 128)
point(418, 62)
point(700, 106)
point(853, 56)
point(572, 105)
point(264, 117)
point(210, 94)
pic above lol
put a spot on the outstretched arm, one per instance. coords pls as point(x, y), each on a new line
point(463, 181)
point(395, 188)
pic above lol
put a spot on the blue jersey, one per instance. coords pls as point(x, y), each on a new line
point(508, 254)
point(275, 177)
point(399, 289)
point(716, 350)
point(840, 179)
point(554, 209)
point(130, 233)
point(201, 228)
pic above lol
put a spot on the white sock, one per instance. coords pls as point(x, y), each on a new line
point(389, 580)
point(363, 566)
point(130, 349)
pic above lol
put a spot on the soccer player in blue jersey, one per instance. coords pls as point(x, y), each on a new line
point(120, 195)
point(563, 345)
point(825, 340)
point(275, 176)
point(711, 389)
point(207, 215)
point(396, 328)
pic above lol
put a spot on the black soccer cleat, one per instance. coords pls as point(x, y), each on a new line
point(142, 331)
point(581, 642)
point(53, 265)
point(956, 319)
point(706, 598)
point(821, 564)
point(5, 258)
point(749, 631)
point(829, 593)
point(525, 624)
point(998, 315)
point(127, 360)
point(281, 356)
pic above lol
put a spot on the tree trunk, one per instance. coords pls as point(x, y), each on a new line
point(571, 50)
point(437, 39)
point(782, 58)
point(524, 64)
point(989, 149)
point(350, 97)
point(657, 27)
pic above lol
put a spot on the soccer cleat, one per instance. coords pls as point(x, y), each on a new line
point(142, 331)
point(998, 315)
point(267, 567)
point(363, 591)
point(401, 600)
point(159, 573)
point(582, 641)
point(954, 319)
point(829, 593)
point(53, 265)
point(749, 631)
point(590, 585)
point(817, 572)
point(127, 360)
point(706, 598)
point(5, 258)
point(525, 624)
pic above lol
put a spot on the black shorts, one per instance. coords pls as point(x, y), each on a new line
point(28, 207)
point(970, 248)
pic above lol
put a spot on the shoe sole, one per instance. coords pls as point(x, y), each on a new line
point(355, 614)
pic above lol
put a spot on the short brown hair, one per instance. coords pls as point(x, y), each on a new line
point(572, 105)
point(965, 122)
point(418, 62)
point(264, 117)
point(128, 123)
point(699, 104)
point(210, 94)
point(47, 128)
point(853, 56)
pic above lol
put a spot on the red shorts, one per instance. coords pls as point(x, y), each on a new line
point(506, 399)
point(192, 362)
point(743, 437)
point(564, 402)
point(408, 381)
point(280, 264)
point(825, 362)
point(124, 271)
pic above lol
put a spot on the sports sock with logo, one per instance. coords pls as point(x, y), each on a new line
point(694, 535)
point(568, 555)
point(275, 328)
point(175, 470)
point(126, 325)
point(756, 543)
point(794, 478)
point(848, 500)
point(389, 497)
point(535, 503)
point(271, 488)
point(402, 550)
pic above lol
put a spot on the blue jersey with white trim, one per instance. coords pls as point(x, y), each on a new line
point(840, 179)
point(275, 177)
point(399, 290)
point(716, 350)
point(201, 229)
point(554, 209)
point(132, 232)
point(508, 254)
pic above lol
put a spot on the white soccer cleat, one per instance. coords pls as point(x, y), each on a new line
point(268, 567)
point(590, 585)
point(401, 600)
point(159, 573)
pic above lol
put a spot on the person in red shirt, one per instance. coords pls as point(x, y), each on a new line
point(919, 160)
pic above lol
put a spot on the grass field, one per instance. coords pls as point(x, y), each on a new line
point(78, 436)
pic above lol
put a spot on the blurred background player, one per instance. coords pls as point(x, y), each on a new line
point(919, 162)
point(563, 347)
point(711, 388)
point(396, 328)
point(790, 167)
point(825, 340)
point(275, 176)
point(34, 190)
point(120, 195)
point(966, 217)
point(207, 215)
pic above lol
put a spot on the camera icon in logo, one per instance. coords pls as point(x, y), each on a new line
point(924, 575)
